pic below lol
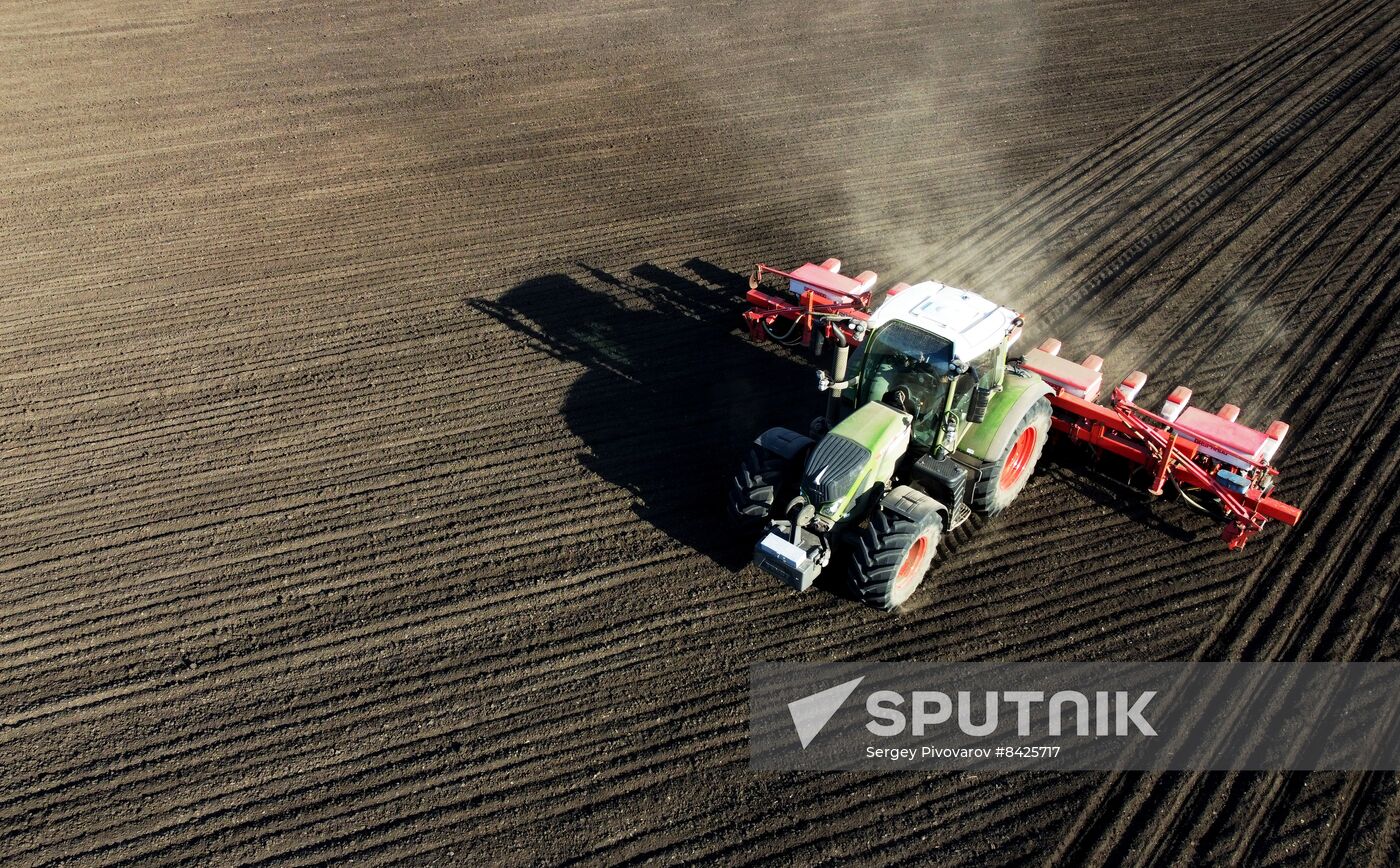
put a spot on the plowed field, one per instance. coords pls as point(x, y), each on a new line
point(371, 377)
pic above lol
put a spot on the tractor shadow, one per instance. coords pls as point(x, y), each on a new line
point(672, 390)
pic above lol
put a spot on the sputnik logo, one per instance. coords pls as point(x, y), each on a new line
point(811, 713)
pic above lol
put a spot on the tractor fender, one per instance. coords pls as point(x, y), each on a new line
point(782, 441)
point(911, 503)
point(989, 438)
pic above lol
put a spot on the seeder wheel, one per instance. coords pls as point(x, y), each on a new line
point(1200, 500)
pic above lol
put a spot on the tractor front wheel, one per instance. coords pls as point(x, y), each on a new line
point(1003, 479)
point(763, 479)
point(891, 557)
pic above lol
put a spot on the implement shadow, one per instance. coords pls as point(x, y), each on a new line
point(672, 390)
point(1105, 483)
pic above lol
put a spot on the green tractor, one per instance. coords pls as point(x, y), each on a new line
point(930, 427)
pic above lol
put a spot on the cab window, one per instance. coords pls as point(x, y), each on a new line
point(980, 372)
point(904, 363)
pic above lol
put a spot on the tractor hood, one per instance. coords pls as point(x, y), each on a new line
point(858, 453)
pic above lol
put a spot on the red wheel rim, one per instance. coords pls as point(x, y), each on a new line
point(909, 567)
point(1017, 460)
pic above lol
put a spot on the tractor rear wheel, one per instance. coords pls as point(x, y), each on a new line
point(763, 479)
point(1003, 479)
point(891, 556)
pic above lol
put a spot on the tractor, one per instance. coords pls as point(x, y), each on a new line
point(930, 420)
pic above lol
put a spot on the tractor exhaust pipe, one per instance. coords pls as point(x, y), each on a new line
point(838, 375)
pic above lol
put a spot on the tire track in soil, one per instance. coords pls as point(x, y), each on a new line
point(1231, 626)
point(718, 694)
point(1227, 632)
point(1261, 266)
point(1205, 203)
point(1387, 846)
point(1245, 169)
point(1038, 232)
point(323, 829)
point(1352, 639)
point(1146, 136)
point(1360, 638)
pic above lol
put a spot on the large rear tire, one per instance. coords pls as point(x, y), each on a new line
point(1003, 480)
point(891, 557)
point(763, 480)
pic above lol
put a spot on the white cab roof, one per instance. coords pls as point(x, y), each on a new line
point(973, 323)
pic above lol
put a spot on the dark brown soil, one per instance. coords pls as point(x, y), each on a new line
point(371, 377)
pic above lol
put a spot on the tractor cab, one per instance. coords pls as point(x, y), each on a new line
point(932, 349)
point(908, 369)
